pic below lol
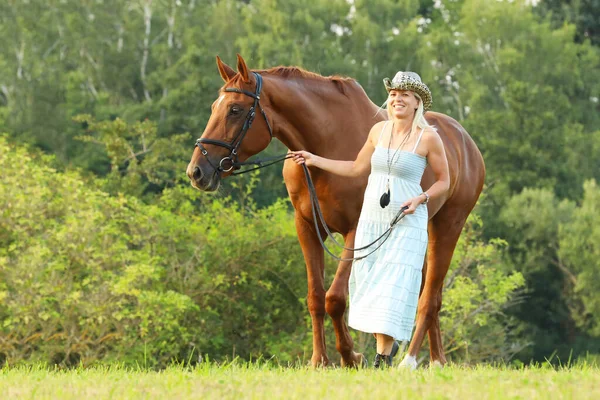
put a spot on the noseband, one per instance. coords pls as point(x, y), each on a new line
point(235, 144)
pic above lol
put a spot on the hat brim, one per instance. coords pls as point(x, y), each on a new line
point(418, 87)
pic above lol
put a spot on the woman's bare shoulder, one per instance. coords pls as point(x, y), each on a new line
point(376, 131)
point(431, 135)
point(378, 126)
point(432, 140)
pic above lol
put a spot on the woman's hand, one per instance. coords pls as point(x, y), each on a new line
point(413, 204)
point(304, 157)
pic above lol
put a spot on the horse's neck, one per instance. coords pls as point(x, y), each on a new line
point(317, 117)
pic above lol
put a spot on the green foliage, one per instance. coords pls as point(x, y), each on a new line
point(87, 277)
point(82, 271)
point(292, 32)
point(579, 253)
point(555, 243)
point(585, 14)
point(138, 156)
point(533, 217)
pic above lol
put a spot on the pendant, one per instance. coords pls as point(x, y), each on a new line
point(384, 200)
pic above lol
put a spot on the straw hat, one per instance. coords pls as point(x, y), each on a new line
point(406, 80)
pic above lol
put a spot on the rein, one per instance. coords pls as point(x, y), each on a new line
point(232, 159)
point(316, 211)
point(318, 214)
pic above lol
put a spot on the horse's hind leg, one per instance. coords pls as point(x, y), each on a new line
point(335, 305)
point(443, 236)
point(436, 348)
point(313, 256)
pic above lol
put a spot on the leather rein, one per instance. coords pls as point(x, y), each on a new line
point(230, 162)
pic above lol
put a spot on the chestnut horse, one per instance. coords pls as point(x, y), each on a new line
point(332, 116)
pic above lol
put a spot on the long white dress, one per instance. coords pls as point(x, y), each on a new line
point(384, 287)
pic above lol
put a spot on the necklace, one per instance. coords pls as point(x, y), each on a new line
point(386, 197)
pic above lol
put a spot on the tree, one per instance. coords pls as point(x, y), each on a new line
point(554, 247)
point(585, 14)
point(579, 253)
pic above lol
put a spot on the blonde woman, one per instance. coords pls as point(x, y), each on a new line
point(384, 287)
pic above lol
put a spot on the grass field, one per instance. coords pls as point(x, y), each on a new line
point(268, 382)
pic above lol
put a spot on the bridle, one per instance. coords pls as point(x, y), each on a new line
point(235, 144)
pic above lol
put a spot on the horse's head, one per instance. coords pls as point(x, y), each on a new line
point(237, 128)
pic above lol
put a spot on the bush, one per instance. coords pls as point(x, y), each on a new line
point(88, 277)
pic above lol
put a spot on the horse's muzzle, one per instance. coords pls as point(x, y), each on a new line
point(202, 180)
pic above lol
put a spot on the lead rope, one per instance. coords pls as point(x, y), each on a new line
point(316, 211)
point(318, 214)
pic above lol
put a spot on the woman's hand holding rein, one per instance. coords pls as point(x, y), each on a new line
point(413, 203)
point(304, 157)
point(338, 167)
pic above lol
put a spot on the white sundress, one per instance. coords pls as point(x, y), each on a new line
point(384, 287)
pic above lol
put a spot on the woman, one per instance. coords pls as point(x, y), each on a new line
point(384, 287)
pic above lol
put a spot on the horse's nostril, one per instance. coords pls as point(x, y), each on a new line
point(197, 173)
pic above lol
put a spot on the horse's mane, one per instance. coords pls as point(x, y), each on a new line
point(341, 82)
point(302, 73)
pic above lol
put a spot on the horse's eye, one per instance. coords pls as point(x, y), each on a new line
point(235, 110)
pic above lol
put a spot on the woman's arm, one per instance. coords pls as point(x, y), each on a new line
point(436, 158)
point(358, 167)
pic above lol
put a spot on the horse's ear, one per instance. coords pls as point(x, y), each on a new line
point(243, 69)
point(225, 70)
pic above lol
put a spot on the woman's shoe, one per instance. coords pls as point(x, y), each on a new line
point(381, 361)
point(395, 348)
point(387, 360)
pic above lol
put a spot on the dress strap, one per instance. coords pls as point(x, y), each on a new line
point(418, 140)
point(381, 133)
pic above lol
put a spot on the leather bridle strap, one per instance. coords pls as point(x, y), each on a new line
point(235, 144)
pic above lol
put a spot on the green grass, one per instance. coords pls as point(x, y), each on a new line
point(252, 381)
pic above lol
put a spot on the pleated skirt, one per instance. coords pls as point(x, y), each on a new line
point(384, 287)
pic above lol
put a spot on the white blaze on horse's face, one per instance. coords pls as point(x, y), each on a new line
point(220, 100)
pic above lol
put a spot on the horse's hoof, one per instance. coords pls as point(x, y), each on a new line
point(361, 361)
point(409, 363)
point(319, 362)
point(358, 360)
point(436, 365)
point(364, 362)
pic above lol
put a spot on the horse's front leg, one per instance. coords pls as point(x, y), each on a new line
point(335, 304)
point(315, 266)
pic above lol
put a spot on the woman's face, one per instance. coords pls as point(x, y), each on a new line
point(402, 104)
